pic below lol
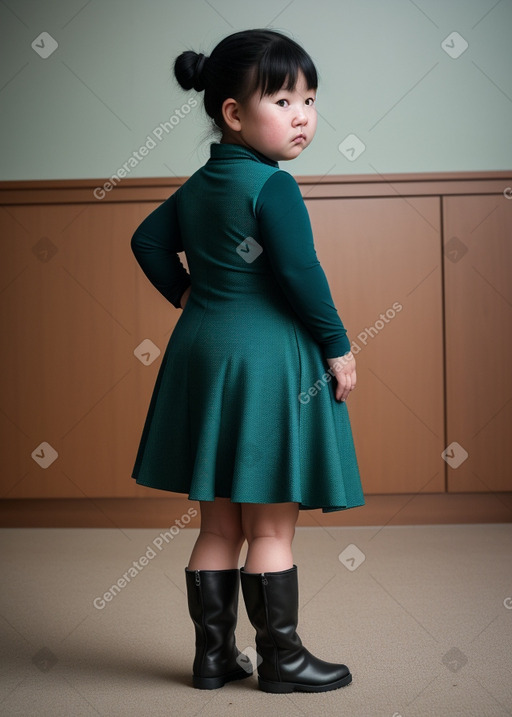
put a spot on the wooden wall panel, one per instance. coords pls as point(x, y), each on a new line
point(383, 262)
point(478, 288)
point(74, 305)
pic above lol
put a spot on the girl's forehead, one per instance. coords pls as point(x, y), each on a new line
point(301, 84)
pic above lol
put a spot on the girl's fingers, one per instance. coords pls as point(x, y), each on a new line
point(345, 388)
point(346, 384)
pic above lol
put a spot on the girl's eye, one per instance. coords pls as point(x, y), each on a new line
point(310, 102)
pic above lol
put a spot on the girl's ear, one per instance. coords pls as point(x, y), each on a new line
point(231, 114)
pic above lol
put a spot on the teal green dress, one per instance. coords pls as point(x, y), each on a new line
point(244, 405)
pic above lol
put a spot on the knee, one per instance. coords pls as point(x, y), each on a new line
point(269, 520)
point(282, 531)
point(279, 535)
point(232, 534)
point(222, 519)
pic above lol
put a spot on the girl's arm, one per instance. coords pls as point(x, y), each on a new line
point(287, 240)
point(156, 243)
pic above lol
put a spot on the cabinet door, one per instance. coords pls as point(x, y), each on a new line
point(75, 305)
point(382, 258)
point(478, 289)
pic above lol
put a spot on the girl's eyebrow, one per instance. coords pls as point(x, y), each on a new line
point(284, 89)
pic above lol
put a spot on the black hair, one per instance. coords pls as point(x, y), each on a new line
point(242, 64)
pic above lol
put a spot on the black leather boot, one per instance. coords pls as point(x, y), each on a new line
point(272, 602)
point(213, 606)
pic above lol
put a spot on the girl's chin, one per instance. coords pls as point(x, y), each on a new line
point(282, 155)
point(294, 151)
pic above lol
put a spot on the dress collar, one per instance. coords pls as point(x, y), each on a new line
point(224, 150)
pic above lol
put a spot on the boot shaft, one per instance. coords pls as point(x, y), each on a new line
point(213, 606)
point(272, 602)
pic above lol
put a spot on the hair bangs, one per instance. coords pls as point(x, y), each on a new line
point(279, 67)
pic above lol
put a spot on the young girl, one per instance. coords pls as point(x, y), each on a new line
point(244, 416)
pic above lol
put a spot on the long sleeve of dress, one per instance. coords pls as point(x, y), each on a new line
point(156, 243)
point(287, 239)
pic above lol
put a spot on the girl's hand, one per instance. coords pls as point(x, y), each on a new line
point(184, 297)
point(344, 370)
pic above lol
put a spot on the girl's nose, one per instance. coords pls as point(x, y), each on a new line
point(300, 116)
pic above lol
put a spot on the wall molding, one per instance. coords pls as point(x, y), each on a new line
point(154, 189)
point(379, 510)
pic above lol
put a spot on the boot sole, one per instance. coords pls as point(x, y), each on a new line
point(286, 687)
point(213, 683)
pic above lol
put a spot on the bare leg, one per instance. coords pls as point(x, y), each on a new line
point(220, 538)
point(269, 529)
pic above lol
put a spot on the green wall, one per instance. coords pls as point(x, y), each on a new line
point(83, 111)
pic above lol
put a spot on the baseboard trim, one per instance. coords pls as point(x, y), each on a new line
point(380, 510)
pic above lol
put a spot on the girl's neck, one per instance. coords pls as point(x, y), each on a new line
point(229, 137)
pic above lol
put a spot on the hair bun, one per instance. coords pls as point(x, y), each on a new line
point(188, 70)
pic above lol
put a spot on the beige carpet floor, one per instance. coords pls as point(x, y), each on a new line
point(421, 614)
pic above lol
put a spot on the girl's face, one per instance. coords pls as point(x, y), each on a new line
point(280, 126)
